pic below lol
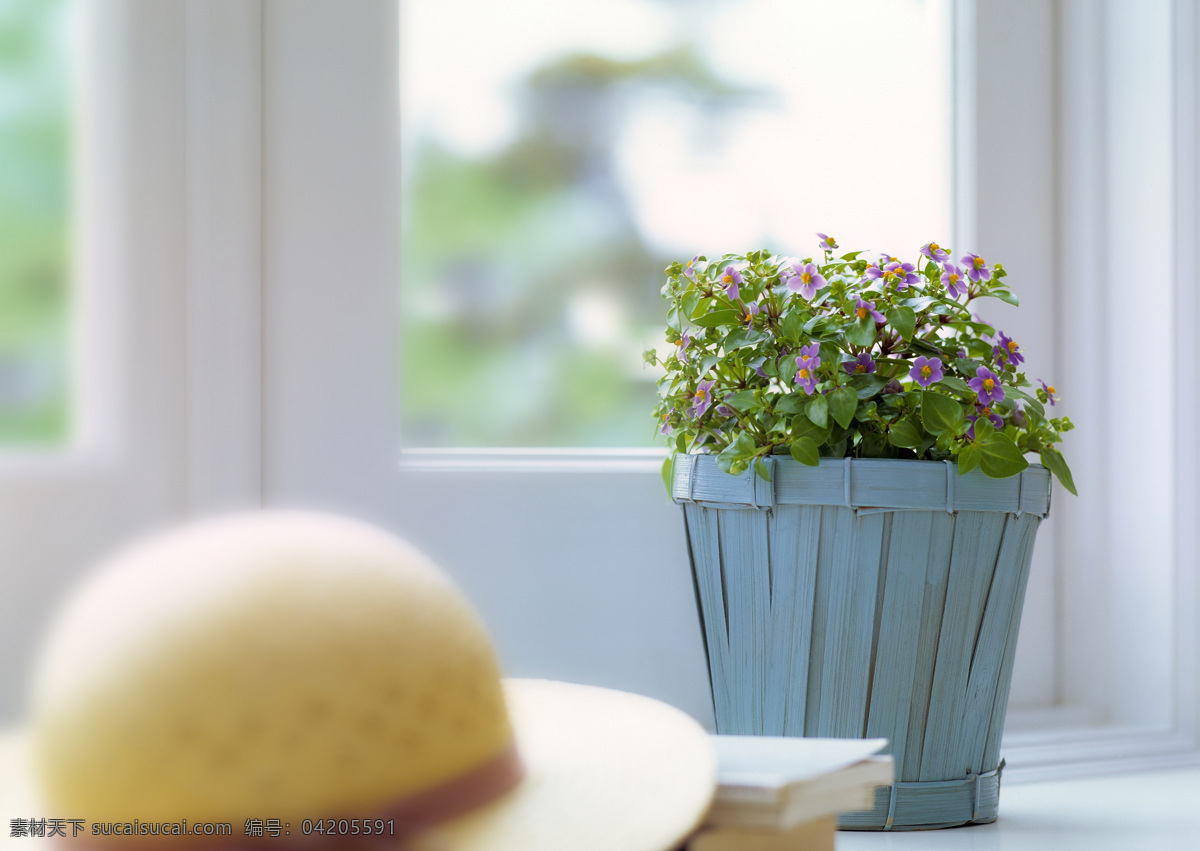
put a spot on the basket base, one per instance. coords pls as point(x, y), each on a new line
point(930, 805)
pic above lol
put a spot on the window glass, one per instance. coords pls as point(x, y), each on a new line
point(556, 157)
point(35, 189)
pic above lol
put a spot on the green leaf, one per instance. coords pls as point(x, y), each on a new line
point(817, 410)
point(967, 366)
point(862, 332)
point(904, 320)
point(735, 458)
point(761, 469)
point(667, 468)
point(956, 384)
point(873, 445)
point(940, 414)
point(708, 362)
point(905, 434)
point(739, 338)
point(842, 404)
point(968, 459)
point(868, 385)
point(1030, 401)
point(1004, 295)
point(690, 302)
point(790, 403)
point(717, 318)
point(805, 451)
point(742, 401)
point(999, 457)
point(792, 327)
point(865, 411)
point(1056, 464)
point(804, 427)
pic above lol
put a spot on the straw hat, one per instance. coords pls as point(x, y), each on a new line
point(275, 670)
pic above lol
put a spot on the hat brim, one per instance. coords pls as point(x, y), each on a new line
point(605, 770)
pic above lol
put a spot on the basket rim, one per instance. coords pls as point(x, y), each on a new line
point(862, 484)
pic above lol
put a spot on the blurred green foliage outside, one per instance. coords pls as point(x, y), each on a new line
point(35, 191)
point(527, 291)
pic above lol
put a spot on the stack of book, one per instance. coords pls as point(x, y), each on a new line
point(781, 793)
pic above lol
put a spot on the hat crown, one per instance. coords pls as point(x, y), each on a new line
point(289, 665)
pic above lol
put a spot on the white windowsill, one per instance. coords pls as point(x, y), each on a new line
point(1128, 811)
point(623, 460)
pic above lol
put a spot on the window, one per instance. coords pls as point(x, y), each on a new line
point(35, 219)
point(549, 175)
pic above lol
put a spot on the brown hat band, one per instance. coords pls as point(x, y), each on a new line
point(408, 817)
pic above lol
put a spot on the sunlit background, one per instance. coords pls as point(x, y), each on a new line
point(557, 156)
point(35, 193)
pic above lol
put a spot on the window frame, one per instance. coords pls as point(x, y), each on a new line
point(270, 380)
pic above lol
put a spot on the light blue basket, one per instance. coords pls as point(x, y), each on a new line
point(865, 598)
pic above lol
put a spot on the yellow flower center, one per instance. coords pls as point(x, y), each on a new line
point(985, 412)
point(978, 261)
point(988, 384)
point(829, 240)
point(806, 277)
point(727, 279)
point(933, 246)
point(861, 313)
point(1051, 390)
point(859, 368)
point(953, 278)
point(1012, 345)
point(699, 395)
point(804, 373)
point(926, 371)
point(890, 273)
point(749, 317)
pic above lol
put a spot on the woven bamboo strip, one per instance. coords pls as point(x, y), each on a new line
point(795, 533)
point(706, 555)
point(933, 605)
point(899, 629)
point(746, 577)
point(851, 613)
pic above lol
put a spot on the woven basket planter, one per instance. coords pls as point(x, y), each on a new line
point(868, 598)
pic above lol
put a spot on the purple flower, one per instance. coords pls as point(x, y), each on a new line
point(1007, 351)
point(804, 279)
point(752, 310)
point(986, 412)
point(987, 385)
point(952, 280)
point(902, 273)
point(862, 364)
point(1050, 391)
point(976, 267)
point(935, 252)
point(862, 309)
point(873, 271)
point(666, 423)
point(690, 268)
point(893, 386)
point(806, 367)
point(828, 243)
point(701, 400)
point(730, 280)
point(681, 351)
point(925, 371)
point(759, 371)
point(724, 410)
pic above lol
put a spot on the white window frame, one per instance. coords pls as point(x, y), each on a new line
point(259, 340)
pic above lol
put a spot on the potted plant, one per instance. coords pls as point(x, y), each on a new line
point(849, 445)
